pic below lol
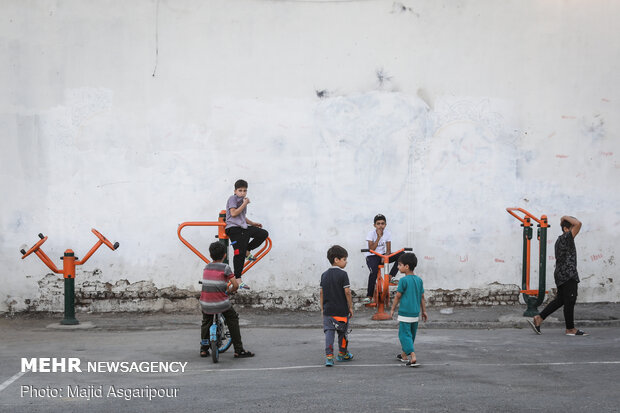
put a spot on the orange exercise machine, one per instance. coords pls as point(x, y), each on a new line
point(221, 235)
point(69, 262)
point(382, 289)
point(533, 298)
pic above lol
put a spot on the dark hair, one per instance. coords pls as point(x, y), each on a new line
point(409, 259)
point(379, 217)
point(241, 184)
point(565, 224)
point(217, 250)
point(336, 251)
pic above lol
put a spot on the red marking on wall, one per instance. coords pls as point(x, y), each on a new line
point(568, 117)
point(605, 100)
point(552, 135)
point(561, 156)
point(427, 257)
point(607, 153)
point(551, 258)
point(464, 259)
point(596, 257)
point(498, 260)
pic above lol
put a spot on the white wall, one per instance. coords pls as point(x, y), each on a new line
point(132, 117)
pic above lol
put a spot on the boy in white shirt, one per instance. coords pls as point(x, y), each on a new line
point(379, 240)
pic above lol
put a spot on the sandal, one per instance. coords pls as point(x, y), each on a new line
point(244, 354)
point(204, 352)
point(400, 358)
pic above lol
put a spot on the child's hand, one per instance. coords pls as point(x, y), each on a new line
point(392, 314)
point(246, 200)
point(424, 316)
point(379, 233)
point(258, 225)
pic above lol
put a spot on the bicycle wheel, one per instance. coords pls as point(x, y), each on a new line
point(224, 336)
point(215, 354)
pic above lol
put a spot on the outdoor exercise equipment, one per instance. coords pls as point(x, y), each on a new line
point(221, 235)
point(69, 262)
point(533, 298)
point(382, 288)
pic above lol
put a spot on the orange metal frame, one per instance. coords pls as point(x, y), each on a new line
point(526, 222)
point(382, 289)
point(221, 234)
point(69, 261)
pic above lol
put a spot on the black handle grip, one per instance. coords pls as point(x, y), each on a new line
point(41, 236)
point(23, 251)
point(116, 245)
point(365, 250)
point(408, 249)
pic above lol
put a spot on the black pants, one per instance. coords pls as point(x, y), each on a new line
point(232, 321)
point(373, 262)
point(240, 241)
point(567, 297)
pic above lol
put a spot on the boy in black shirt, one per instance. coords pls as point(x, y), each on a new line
point(336, 305)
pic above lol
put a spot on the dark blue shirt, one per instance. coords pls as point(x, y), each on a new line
point(333, 283)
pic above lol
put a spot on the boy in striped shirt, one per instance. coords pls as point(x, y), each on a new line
point(214, 300)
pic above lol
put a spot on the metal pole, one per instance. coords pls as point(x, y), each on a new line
point(68, 269)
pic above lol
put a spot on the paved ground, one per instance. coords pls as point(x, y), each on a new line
point(491, 367)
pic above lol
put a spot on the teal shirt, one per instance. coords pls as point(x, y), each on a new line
point(411, 288)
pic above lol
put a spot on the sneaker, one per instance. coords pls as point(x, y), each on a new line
point(578, 333)
point(366, 300)
point(244, 286)
point(393, 281)
point(329, 361)
point(344, 357)
point(204, 351)
point(534, 327)
point(414, 364)
point(250, 257)
point(400, 358)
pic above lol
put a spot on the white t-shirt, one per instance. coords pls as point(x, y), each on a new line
point(381, 248)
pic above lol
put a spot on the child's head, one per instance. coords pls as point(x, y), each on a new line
point(217, 250)
point(337, 256)
point(407, 263)
point(380, 221)
point(241, 188)
point(565, 225)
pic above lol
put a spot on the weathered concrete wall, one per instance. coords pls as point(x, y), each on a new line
point(132, 117)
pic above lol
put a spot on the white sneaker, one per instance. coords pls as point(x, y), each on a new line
point(366, 300)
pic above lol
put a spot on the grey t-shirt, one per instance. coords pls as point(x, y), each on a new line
point(239, 221)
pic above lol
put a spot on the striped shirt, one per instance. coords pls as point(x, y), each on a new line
point(213, 298)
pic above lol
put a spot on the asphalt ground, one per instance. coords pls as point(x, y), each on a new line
point(465, 366)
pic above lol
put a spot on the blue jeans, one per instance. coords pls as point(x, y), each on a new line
point(406, 335)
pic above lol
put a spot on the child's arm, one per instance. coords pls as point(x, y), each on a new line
point(423, 307)
point(234, 285)
point(253, 224)
point(373, 245)
point(395, 303)
point(321, 301)
point(347, 293)
point(236, 211)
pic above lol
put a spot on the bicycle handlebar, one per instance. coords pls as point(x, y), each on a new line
point(388, 255)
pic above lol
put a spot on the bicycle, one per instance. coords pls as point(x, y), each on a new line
point(382, 289)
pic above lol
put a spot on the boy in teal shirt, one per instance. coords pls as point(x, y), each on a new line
point(410, 295)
